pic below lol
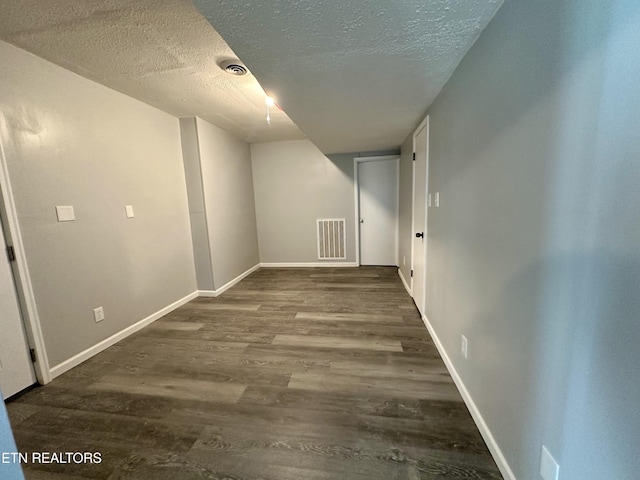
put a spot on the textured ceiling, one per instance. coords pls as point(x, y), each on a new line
point(353, 75)
point(162, 52)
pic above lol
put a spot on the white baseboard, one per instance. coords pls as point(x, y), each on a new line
point(207, 293)
point(406, 285)
point(115, 338)
point(309, 264)
point(228, 285)
point(493, 446)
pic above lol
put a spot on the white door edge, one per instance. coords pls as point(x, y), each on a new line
point(24, 287)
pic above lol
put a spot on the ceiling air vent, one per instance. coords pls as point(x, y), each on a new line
point(234, 67)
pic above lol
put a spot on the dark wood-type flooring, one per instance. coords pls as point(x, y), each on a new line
point(292, 374)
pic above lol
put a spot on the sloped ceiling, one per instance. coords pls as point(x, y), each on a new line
point(162, 52)
point(353, 75)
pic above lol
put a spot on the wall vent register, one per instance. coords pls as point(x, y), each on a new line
point(331, 239)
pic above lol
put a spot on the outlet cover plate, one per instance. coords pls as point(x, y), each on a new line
point(98, 314)
point(65, 213)
point(129, 211)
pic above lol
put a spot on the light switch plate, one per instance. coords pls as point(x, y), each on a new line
point(549, 468)
point(98, 314)
point(129, 211)
point(437, 199)
point(429, 200)
point(464, 347)
point(65, 213)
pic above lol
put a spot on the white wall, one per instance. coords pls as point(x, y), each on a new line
point(221, 203)
point(294, 185)
point(70, 141)
point(534, 253)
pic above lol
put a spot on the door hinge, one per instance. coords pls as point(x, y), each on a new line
point(411, 273)
point(414, 156)
point(32, 354)
point(11, 254)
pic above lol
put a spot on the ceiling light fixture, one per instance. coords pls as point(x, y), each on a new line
point(270, 103)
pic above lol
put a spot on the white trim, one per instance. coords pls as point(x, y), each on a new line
point(398, 212)
point(309, 264)
point(489, 439)
point(356, 198)
point(115, 338)
point(404, 282)
point(228, 285)
point(425, 124)
point(356, 209)
point(413, 207)
point(21, 271)
point(207, 293)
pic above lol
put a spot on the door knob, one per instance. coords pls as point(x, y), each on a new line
point(420, 235)
point(362, 220)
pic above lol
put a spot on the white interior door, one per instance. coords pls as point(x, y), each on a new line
point(421, 171)
point(16, 369)
point(378, 200)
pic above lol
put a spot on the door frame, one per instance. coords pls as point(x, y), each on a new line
point(423, 124)
point(24, 289)
point(356, 198)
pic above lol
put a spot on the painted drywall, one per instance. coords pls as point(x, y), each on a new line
point(347, 156)
point(534, 252)
point(405, 212)
point(9, 470)
point(70, 141)
point(295, 184)
point(229, 201)
point(197, 213)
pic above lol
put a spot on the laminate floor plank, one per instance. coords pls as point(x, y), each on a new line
point(221, 306)
point(313, 341)
point(165, 386)
point(293, 373)
point(234, 374)
point(435, 390)
point(350, 317)
point(33, 474)
point(166, 325)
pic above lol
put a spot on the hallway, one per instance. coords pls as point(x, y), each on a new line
point(323, 373)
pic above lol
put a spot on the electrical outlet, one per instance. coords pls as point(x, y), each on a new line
point(464, 347)
point(98, 314)
point(429, 200)
point(549, 468)
point(65, 213)
point(129, 211)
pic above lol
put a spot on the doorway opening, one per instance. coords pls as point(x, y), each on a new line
point(376, 182)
